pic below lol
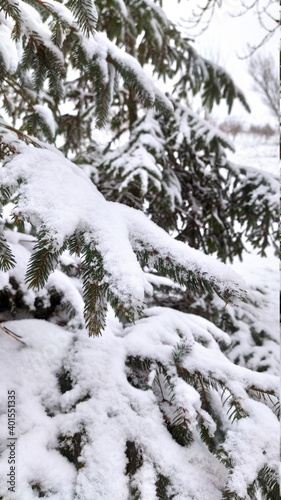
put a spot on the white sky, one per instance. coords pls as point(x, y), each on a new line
point(225, 41)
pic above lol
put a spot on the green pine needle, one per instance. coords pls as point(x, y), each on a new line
point(84, 13)
point(7, 260)
point(43, 261)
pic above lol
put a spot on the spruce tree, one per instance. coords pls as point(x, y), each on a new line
point(95, 235)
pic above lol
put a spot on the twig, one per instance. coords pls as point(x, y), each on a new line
point(12, 334)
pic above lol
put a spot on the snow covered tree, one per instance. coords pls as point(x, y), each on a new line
point(94, 236)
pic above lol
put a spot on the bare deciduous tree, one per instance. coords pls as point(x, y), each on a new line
point(264, 72)
point(265, 11)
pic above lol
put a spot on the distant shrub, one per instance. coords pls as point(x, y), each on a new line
point(235, 127)
point(262, 130)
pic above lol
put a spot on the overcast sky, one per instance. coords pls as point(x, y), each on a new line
point(225, 41)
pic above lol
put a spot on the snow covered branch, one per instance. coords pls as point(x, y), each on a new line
point(67, 210)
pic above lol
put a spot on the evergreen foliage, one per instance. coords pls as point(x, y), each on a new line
point(93, 229)
point(6, 257)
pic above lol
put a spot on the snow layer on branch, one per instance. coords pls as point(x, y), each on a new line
point(160, 326)
point(144, 234)
point(139, 157)
point(267, 183)
point(8, 49)
point(57, 196)
point(32, 25)
point(99, 45)
point(193, 127)
point(259, 315)
point(47, 115)
point(62, 11)
point(149, 4)
point(96, 45)
point(36, 388)
point(114, 414)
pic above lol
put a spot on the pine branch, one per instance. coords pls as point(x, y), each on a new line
point(7, 260)
point(212, 80)
point(103, 91)
point(262, 394)
point(33, 122)
point(45, 65)
point(138, 370)
point(175, 417)
point(95, 308)
point(135, 458)
point(205, 434)
point(20, 134)
point(197, 282)
point(43, 260)
point(268, 480)
point(75, 244)
point(132, 80)
point(179, 428)
point(235, 411)
point(230, 495)
point(10, 10)
point(162, 485)
point(85, 15)
point(94, 293)
point(180, 352)
point(5, 191)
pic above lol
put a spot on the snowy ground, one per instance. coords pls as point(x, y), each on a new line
point(257, 151)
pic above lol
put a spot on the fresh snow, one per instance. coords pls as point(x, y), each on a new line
point(108, 411)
